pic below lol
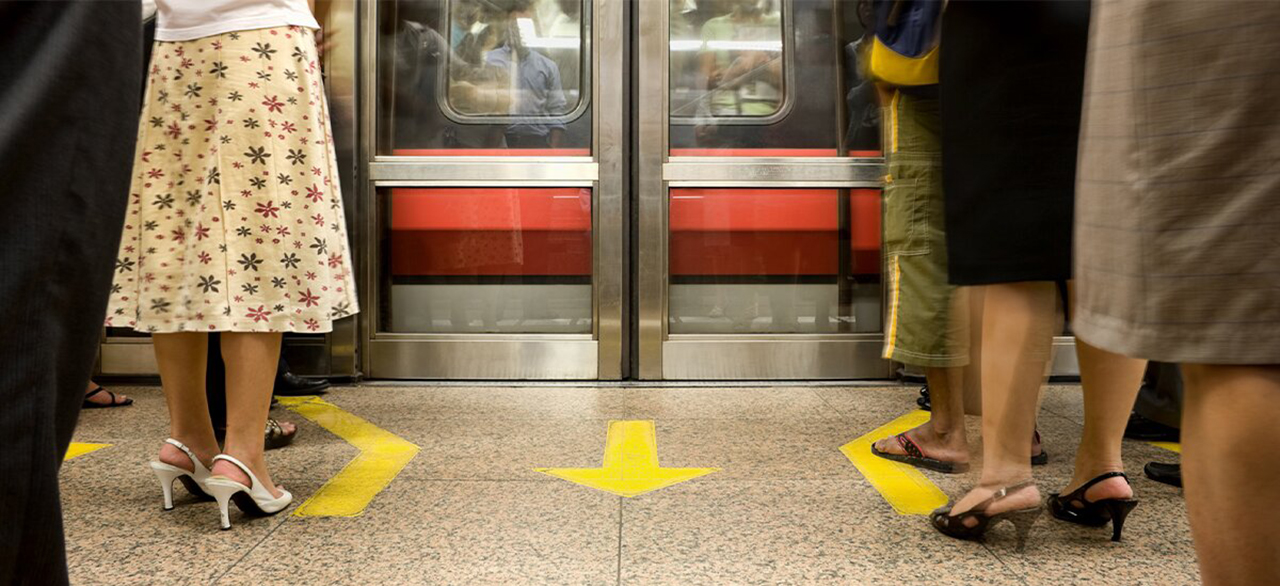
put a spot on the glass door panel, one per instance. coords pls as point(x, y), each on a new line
point(481, 78)
point(776, 261)
point(488, 260)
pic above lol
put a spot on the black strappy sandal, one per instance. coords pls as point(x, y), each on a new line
point(91, 405)
point(1074, 508)
point(273, 439)
point(916, 458)
point(955, 525)
point(276, 438)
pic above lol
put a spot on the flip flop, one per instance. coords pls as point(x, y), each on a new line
point(917, 458)
point(92, 405)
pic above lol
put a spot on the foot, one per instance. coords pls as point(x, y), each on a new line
point(1143, 429)
point(949, 448)
point(1170, 474)
point(279, 434)
point(171, 455)
point(291, 385)
point(1036, 447)
point(258, 465)
point(272, 438)
point(100, 396)
point(1023, 498)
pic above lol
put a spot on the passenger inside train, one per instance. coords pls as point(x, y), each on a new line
point(639, 292)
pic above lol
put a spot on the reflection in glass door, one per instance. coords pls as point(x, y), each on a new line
point(758, 197)
point(493, 223)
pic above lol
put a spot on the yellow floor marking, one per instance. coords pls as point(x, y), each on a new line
point(382, 456)
point(902, 485)
point(1171, 446)
point(76, 449)
point(630, 463)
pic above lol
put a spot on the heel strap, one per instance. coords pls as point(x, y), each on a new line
point(1078, 494)
point(1000, 494)
point(190, 454)
point(1100, 478)
point(253, 480)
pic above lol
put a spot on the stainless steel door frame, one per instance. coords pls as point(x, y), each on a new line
point(514, 356)
point(702, 356)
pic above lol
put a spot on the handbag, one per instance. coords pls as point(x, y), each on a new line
point(904, 48)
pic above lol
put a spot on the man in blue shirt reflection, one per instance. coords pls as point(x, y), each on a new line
point(536, 89)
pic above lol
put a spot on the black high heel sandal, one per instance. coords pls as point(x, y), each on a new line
point(1075, 508)
point(955, 525)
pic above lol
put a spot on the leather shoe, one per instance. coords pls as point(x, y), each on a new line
point(1170, 474)
point(292, 385)
point(1142, 429)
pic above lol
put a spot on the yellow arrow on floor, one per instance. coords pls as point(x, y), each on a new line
point(77, 449)
point(382, 456)
point(630, 463)
point(1171, 446)
point(902, 485)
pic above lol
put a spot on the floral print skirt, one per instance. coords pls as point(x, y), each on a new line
point(235, 218)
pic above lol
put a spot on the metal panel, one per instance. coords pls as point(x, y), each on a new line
point(441, 169)
point(484, 358)
point(774, 172)
point(774, 357)
point(650, 112)
point(127, 357)
point(342, 89)
point(1065, 361)
point(609, 70)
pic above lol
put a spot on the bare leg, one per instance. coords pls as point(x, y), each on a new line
point(1231, 475)
point(1017, 334)
point(182, 364)
point(943, 436)
point(1111, 384)
point(251, 361)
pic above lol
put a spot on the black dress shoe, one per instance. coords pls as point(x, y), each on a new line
point(923, 400)
point(292, 385)
point(1143, 429)
point(1170, 474)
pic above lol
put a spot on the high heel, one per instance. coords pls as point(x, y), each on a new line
point(955, 525)
point(254, 499)
point(1075, 508)
point(193, 479)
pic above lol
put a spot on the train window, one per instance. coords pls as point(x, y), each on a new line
point(486, 260)
point(727, 61)
point(484, 77)
point(774, 261)
point(771, 78)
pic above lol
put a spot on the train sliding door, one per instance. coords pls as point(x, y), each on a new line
point(758, 242)
point(493, 137)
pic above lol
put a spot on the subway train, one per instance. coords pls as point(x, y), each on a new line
point(602, 190)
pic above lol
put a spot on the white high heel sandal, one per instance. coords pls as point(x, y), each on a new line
point(255, 499)
point(192, 479)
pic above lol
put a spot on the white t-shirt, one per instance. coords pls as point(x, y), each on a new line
point(184, 20)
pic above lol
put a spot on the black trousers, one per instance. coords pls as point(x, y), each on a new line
point(69, 78)
point(1160, 398)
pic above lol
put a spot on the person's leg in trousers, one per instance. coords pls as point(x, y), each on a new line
point(65, 152)
point(1231, 471)
point(215, 384)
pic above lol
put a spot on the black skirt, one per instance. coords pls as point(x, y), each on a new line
point(1012, 81)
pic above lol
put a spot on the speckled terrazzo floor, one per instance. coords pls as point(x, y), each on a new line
point(786, 508)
